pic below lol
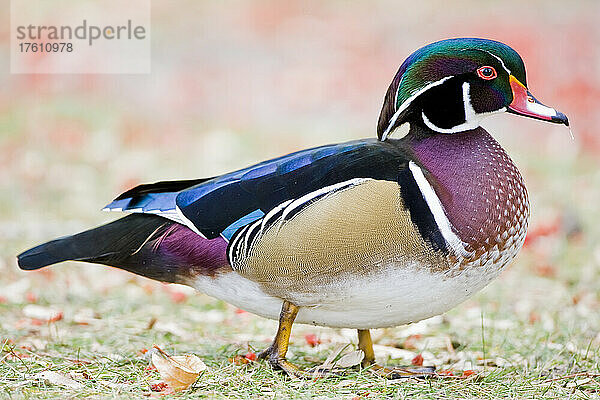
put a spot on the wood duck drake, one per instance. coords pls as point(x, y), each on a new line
point(365, 234)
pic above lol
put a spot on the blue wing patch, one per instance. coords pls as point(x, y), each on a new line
point(245, 220)
point(222, 205)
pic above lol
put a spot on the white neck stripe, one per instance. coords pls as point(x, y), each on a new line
point(437, 210)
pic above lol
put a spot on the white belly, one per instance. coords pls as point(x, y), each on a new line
point(393, 297)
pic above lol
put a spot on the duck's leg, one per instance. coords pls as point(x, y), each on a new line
point(366, 345)
point(275, 353)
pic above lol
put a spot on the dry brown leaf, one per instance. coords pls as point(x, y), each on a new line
point(42, 313)
point(179, 372)
point(55, 378)
point(350, 360)
point(328, 364)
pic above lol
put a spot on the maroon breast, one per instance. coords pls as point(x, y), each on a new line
point(480, 188)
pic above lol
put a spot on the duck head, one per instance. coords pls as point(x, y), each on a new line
point(450, 85)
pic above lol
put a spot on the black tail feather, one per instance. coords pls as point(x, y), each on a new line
point(160, 187)
point(119, 244)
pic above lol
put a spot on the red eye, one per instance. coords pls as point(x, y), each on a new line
point(487, 73)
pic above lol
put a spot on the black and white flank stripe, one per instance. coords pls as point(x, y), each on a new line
point(242, 241)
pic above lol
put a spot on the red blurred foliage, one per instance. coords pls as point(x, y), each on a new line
point(251, 356)
point(410, 343)
point(312, 340)
point(445, 372)
point(541, 230)
point(57, 317)
point(468, 372)
point(533, 317)
point(159, 386)
point(150, 367)
point(417, 360)
point(178, 297)
point(545, 270)
point(239, 359)
point(31, 297)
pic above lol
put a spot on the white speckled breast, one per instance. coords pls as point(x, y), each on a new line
point(483, 195)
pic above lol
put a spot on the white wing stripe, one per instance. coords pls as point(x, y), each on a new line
point(273, 212)
point(307, 197)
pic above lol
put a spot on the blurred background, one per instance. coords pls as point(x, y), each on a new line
point(237, 82)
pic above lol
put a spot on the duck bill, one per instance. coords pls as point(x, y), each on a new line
point(525, 104)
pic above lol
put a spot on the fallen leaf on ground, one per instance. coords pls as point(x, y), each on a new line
point(417, 360)
point(239, 359)
point(56, 378)
point(158, 386)
point(346, 361)
point(328, 364)
point(179, 372)
point(40, 313)
point(350, 360)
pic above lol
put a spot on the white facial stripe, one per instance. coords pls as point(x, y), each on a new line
point(407, 103)
point(499, 59)
point(469, 111)
point(437, 210)
point(472, 118)
point(404, 106)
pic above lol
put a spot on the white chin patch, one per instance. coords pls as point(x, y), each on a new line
point(402, 130)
